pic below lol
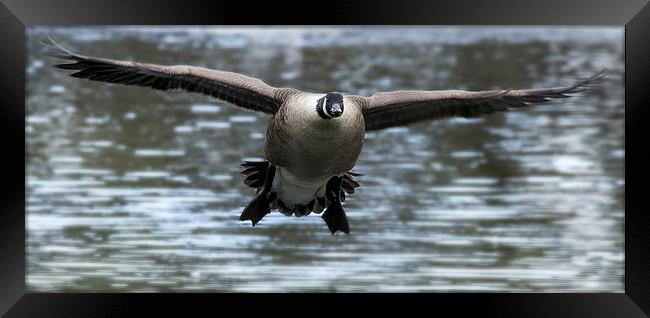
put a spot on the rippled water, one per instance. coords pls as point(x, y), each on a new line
point(136, 190)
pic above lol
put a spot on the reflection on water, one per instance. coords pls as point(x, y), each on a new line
point(137, 190)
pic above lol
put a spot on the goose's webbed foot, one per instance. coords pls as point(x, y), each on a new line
point(334, 216)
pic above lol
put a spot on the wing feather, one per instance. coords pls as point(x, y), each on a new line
point(238, 89)
point(397, 108)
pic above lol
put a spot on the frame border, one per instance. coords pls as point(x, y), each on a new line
point(16, 14)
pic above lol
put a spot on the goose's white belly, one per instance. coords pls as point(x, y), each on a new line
point(293, 190)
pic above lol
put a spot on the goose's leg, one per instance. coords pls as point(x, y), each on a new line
point(334, 216)
point(260, 205)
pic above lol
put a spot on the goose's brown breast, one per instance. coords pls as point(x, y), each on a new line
point(312, 148)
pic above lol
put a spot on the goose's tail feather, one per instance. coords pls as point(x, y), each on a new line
point(260, 205)
point(254, 173)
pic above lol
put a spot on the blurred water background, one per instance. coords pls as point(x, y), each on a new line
point(130, 189)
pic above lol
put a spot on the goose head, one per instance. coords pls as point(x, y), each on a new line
point(330, 106)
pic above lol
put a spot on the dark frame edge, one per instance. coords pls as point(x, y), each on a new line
point(637, 250)
point(343, 12)
point(489, 304)
point(12, 127)
point(637, 237)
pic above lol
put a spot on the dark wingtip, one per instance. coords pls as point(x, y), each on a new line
point(67, 66)
point(599, 76)
point(582, 85)
point(55, 49)
point(48, 42)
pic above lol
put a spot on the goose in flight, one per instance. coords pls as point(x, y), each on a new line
point(314, 139)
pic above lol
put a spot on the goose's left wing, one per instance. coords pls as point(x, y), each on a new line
point(389, 109)
point(238, 89)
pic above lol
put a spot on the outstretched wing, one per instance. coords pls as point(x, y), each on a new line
point(238, 89)
point(389, 109)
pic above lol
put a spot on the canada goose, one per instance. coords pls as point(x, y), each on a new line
point(314, 139)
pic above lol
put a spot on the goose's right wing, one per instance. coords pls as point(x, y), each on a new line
point(390, 109)
point(238, 89)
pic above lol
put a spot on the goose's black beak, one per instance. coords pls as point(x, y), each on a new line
point(336, 110)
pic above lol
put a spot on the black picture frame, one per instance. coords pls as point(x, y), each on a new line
point(15, 15)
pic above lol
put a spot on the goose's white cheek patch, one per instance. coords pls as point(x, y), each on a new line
point(325, 108)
